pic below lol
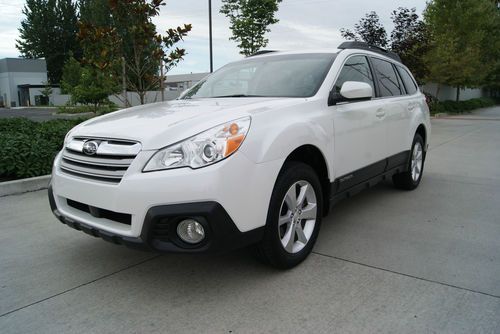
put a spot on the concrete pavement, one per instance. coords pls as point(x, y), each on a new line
point(386, 261)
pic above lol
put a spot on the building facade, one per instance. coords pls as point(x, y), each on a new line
point(21, 81)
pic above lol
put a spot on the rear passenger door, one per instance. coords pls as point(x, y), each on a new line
point(393, 110)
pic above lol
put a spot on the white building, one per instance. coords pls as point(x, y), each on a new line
point(21, 80)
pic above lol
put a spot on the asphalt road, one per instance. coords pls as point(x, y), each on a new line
point(387, 261)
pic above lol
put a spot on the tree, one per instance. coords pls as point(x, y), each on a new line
point(86, 84)
point(46, 92)
point(132, 36)
point(49, 31)
point(249, 21)
point(493, 51)
point(72, 72)
point(410, 40)
point(369, 30)
point(93, 88)
point(461, 53)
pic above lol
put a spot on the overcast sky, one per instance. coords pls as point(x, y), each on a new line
point(303, 24)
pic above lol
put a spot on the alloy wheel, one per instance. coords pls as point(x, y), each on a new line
point(298, 215)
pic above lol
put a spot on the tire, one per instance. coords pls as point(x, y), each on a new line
point(301, 218)
point(410, 179)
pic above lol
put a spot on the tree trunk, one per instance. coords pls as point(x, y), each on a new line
point(458, 93)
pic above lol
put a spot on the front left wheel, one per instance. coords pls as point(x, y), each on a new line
point(294, 217)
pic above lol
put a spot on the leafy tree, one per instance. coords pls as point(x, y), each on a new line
point(460, 54)
point(249, 21)
point(410, 40)
point(493, 51)
point(94, 88)
point(132, 38)
point(369, 30)
point(87, 84)
point(72, 72)
point(96, 12)
point(46, 91)
point(49, 31)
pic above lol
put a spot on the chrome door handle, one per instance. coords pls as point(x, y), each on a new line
point(380, 113)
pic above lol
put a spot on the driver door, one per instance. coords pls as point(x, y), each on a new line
point(359, 133)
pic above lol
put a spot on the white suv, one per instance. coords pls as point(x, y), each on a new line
point(254, 154)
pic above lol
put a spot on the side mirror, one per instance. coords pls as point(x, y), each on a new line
point(351, 91)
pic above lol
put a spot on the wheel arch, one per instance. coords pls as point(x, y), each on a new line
point(422, 131)
point(311, 155)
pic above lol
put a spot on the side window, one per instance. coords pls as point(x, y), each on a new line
point(387, 78)
point(411, 87)
point(355, 69)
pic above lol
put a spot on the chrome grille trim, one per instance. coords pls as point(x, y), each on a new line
point(109, 164)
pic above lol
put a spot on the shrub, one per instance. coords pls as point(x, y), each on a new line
point(28, 148)
point(454, 107)
point(80, 109)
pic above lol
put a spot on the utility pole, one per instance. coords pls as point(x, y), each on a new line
point(210, 35)
point(162, 80)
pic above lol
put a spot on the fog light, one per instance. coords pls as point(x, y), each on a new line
point(190, 231)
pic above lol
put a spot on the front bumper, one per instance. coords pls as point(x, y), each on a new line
point(159, 229)
point(232, 196)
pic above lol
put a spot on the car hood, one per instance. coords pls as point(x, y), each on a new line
point(160, 124)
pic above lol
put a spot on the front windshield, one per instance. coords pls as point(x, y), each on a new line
point(298, 75)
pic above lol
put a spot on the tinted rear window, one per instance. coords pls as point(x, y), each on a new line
point(387, 78)
point(411, 87)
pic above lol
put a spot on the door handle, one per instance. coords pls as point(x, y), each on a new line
point(411, 106)
point(380, 113)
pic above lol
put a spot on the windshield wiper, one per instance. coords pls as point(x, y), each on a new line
point(235, 95)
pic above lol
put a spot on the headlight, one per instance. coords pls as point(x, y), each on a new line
point(203, 149)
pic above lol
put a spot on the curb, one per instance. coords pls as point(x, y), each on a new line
point(24, 185)
point(75, 115)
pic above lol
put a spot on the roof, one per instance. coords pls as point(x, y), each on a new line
point(23, 65)
point(352, 46)
point(185, 77)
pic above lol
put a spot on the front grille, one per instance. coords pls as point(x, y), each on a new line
point(108, 164)
point(118, 217)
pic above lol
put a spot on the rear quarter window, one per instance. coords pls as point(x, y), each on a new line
point(387, 78)
point(411, 87)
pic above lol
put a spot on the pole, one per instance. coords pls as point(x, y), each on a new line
point(162, 79)
point(210, 35)
point(124, 84)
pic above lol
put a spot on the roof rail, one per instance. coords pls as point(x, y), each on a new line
point(369, 47)
point(262, 52)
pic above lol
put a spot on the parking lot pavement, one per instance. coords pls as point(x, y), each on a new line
point(386, 261)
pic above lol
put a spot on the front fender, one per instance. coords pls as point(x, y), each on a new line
point(272, 140)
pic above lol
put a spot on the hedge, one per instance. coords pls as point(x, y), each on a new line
point(28, 148)
point(454, 107)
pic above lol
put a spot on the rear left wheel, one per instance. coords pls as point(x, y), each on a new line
point(410, 179)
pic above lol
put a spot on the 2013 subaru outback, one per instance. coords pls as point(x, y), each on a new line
point(254, 154)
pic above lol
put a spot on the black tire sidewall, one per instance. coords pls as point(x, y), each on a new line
point(419, 139)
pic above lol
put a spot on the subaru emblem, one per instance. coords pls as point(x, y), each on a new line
point(90, 147)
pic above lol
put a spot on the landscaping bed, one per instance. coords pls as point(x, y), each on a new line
point(454, 107)
point(28, 148)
